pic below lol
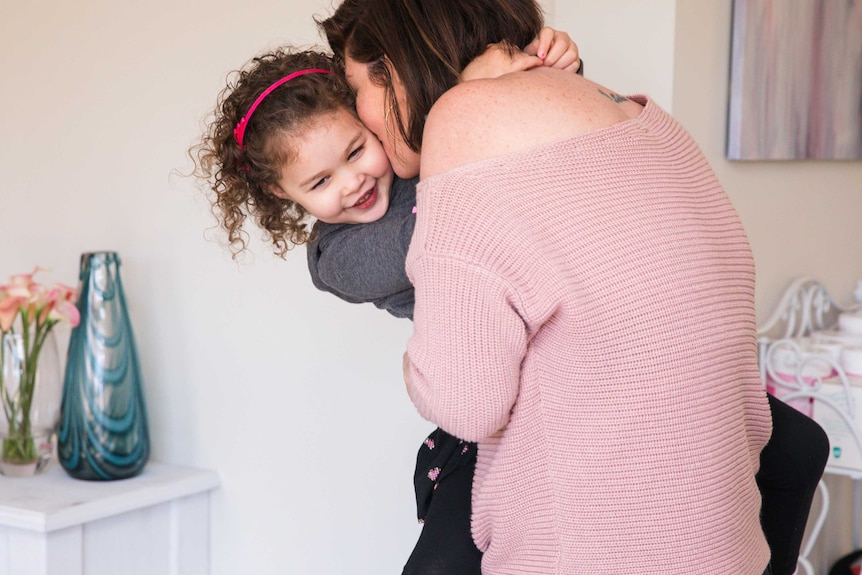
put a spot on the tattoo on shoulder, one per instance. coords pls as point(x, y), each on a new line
point(616, 98)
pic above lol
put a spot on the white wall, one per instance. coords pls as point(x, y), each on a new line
point(627, 45)
point(293, 396)
point(803, 218)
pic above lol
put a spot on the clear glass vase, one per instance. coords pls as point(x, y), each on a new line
point(30, 395)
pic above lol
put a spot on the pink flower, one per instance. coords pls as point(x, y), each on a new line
point(9, 306)
point(58, 303)
point(25, 280)
point(35, 302)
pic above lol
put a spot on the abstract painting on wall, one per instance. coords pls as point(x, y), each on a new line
point(796, 80)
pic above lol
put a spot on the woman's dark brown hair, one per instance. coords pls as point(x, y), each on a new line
point(427, 42)
point(240, 180)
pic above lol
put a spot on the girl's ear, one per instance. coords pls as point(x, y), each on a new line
point(276, 191)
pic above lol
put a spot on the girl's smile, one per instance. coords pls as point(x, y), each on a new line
point(367, 200)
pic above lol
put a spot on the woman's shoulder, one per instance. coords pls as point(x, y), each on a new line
point(467, 119)
point(482, 119)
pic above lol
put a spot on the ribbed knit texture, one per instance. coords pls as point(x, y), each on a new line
point(585, 310)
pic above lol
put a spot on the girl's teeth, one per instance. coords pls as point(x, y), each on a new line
point(364, 198)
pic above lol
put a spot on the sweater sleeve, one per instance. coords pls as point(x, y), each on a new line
point(365, 263)
point(467, 347)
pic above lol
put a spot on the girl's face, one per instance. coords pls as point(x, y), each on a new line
point(373, 110)
point(340, 174)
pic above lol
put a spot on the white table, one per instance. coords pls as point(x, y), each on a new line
point(154, 524)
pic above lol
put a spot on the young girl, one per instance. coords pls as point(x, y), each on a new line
point(286, 148)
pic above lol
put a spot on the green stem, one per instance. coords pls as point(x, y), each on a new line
point(31, 365)
point(10, 402)
point(6, 400)
point(19, 446)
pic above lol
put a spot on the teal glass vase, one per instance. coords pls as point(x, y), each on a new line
point(103, 432)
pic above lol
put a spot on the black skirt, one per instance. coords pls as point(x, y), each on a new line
point(443, 481)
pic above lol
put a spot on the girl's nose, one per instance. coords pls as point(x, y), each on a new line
point(353, 182)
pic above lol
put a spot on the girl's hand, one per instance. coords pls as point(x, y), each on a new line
point(555, 49)
point(405, 366)
point(551, 48)
point(499, 59)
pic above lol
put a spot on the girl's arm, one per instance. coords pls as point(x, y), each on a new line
point(551, 48)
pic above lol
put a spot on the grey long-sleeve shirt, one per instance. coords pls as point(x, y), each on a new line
point(365, 262)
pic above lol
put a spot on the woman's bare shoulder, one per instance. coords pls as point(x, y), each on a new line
point(482, 119)
point(456, 124)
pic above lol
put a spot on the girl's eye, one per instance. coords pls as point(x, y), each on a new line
point(320, 183)
point(355, 153)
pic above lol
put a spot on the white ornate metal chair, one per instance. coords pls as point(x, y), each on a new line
point(806, 307)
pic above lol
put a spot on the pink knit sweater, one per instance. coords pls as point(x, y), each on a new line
point(584, 310)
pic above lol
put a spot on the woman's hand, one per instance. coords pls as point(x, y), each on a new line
point(555, 49)
point(551, 48)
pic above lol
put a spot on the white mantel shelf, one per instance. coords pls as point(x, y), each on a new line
point(53, 500)
point(154, 524)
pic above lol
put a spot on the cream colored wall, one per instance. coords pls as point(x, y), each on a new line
point(627, 45)
point(803, 218)
point(293, 397)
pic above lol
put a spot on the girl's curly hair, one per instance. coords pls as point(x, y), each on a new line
point(240, 180)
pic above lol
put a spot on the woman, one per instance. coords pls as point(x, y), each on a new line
point(584, 301)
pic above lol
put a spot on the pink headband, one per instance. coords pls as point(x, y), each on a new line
point(239, 131)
